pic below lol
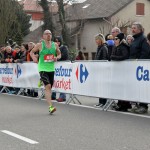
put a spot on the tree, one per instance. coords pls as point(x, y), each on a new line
point(48, 23)
point(7, 17)
point(20, 27)
point(62, 19)
point(14, 21)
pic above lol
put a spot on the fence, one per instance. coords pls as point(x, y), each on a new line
point(123, 80)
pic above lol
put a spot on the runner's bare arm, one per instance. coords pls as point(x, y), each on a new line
point(35, 49)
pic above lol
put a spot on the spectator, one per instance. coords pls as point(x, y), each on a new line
point(129, 39)
point(8, 55)
point(110, 44)
point(139, 49)
point(64, 57)
point(101, 54)
point(80, 56)
point(30, 47)
point(121, 52)
point(121, 49)
point(20, 56)
point(16, 54)
point(115, 31)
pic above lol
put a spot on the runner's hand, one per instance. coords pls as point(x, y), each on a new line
point(55, 59)
point(35, 60)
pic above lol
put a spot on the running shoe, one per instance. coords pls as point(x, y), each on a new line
point(40, 83)
point(52, 109)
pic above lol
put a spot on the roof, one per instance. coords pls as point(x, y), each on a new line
point(33, 6)
point(34, 36)
point(92, 9)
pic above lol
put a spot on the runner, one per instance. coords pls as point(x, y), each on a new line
point(48, 54)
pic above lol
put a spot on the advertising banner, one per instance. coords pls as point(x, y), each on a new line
point(122, 80)
point(63, 77)
point(19, 75)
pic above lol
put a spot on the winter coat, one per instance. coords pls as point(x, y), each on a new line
point(20, 57)
point(120, 52)
point(139, 48)
point(8, 56)
point(64, 53)
point(102, 53)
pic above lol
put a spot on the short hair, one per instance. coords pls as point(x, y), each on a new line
point(8, 47)
point(148, 36)
point(17, 46)
point(129, 36)
point(47, 31)
point(116, 29)
point(139, 26)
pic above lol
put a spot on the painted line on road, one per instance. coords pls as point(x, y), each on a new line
point(19, 137)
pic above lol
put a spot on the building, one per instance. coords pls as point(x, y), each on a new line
point(87, 19)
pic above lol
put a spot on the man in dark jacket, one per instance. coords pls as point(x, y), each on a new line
point(139, 49)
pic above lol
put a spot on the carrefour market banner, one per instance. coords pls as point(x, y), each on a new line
point(19, 75)
point(26, 75)
point(122, 80)
point(63, 77)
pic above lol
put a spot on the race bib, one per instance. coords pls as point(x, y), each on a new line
point(49, 58)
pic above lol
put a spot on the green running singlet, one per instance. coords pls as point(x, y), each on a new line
point(46, 56)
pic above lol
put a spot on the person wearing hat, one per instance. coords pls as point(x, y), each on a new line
point(121, 52)
point(121, 49)
point(101, 54)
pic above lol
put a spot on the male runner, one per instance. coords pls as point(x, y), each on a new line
point(48, 54)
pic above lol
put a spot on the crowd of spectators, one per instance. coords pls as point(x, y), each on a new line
point(121, 47)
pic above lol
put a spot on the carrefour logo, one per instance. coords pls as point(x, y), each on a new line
point(18, 71)
point(142, 74)
point(81, 73)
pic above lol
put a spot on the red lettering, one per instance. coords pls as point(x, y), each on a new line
point(8, 80)
point(66, 85)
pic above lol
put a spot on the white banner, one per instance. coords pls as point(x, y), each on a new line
point(63, 77)
point(123, 80)
point(19, 75)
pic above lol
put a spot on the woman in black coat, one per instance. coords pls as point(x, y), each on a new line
point(101, 54)
point(121, 52)
point(121, 49)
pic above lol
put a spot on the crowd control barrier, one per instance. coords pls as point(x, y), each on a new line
point(122, 80)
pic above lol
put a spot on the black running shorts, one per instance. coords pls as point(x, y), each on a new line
point(47, 77)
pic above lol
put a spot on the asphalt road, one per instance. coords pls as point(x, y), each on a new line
point(70, 128)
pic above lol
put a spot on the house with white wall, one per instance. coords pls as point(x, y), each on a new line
point(99, 16)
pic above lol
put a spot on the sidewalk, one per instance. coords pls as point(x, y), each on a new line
point(91, 101)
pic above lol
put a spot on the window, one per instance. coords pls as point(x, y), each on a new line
point(93, 55)
point(86, 56)
point(140, 9)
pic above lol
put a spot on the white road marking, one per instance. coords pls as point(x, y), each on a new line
point(19, 137)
